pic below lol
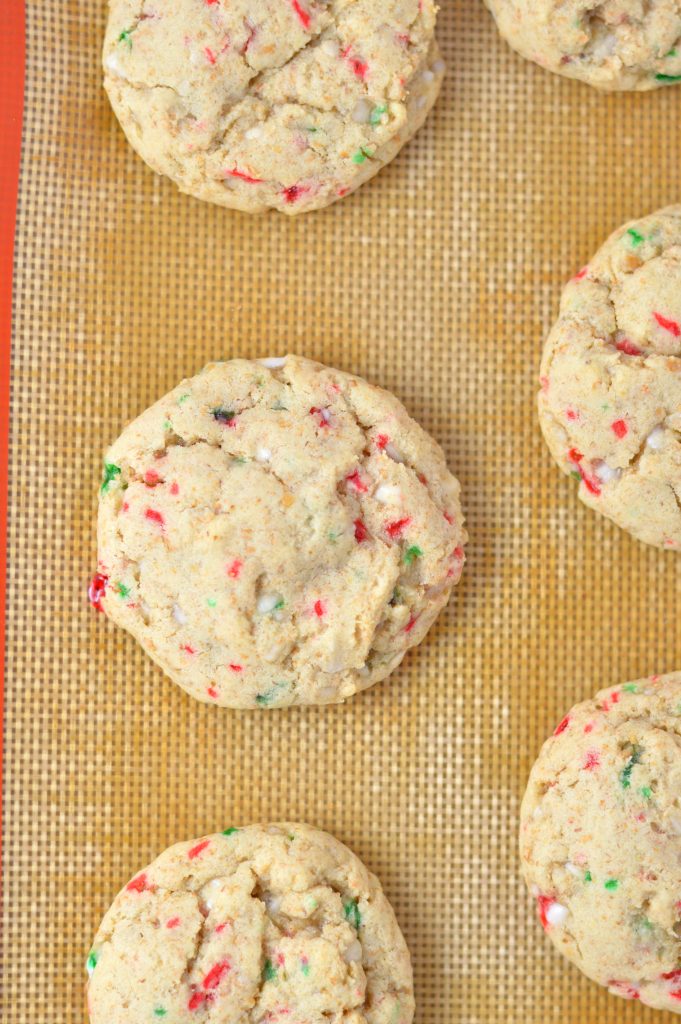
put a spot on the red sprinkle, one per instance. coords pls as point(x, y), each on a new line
point(236, 173)
point(627, 347)
point(139, 884)
point(173, 922)
point(174, 488)
point(319, 609)
point(625, 989)
point(672, 975)
point(294, 192)
point(410, 625)
point(361, 532)
point(151, 478)
point(234, 569)
point(562, 726)
point(396, 528)
point(212, 692)
point(669, 325)
point(575, 456)
point(620, 429)
point(449, 518)
point(155, 517)
point(591, 761)
point(676, 994)
point(303, 15)
point(359, 67)
point(357, 482)
point(197, 999)
point(236, 668)
point(210, 56)
point(188, 648)
point(581, 274)
point(382, 440)
point(544, 382)
point(199, 848)
point(544, 902)
point(588, 727)
point(571, 414)
point(216, 974)
point(97, 590)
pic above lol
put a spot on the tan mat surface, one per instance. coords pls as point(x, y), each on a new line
point(437, 281)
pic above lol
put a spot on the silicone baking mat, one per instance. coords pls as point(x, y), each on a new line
point(438, 281)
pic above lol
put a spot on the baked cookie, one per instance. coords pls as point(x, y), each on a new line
point(619, 44)
point(600, 839)
point(277, 533)
point(264, 923)
point(610, 400)
point(284, 104)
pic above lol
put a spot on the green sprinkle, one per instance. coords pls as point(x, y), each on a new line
point(575, 475)
point(279, 605)
point(587, 877)
point(126, 37)
point(211, 602)
point(305, 967)
point(310, 129)
point(412, 553)
point(91, 962)
point(612, 884)
point(269, 971)
point(352, 914)
point(630, 688)
point(291, 838)
point(167, 425)
point(122, 590)
point(668, 78)
point(230, 831)
point(239, 458)
point(672, 53)
point(160, 1012)
point(636, 236)
point(377, 113)
point(625, 774)
point(111, 471)
point(269, 696)
point(333, 536)
point(222, 415)
point(361, 155)
point(183, 398)
point(646, 792)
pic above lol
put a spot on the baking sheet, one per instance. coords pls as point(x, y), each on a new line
point(437, 281)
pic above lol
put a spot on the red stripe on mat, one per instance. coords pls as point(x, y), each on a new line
point(12, 51)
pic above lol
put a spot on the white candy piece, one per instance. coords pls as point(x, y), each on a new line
point(655, 438)
point(267, 603)
point(253, 133)
point(387, 495)
point(273, 362)
point(263, 455)
point(362, 111)
point(112, 63)
point(392, 451)
point(354, 952)
point(606, 474)
point(179, 615)
point(209, 892)
point(573, 870)
point(556, 914)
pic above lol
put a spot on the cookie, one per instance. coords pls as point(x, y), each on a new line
point(600, 839)
point(283, 104)
point(616, 45)
point(263, 923)
point(277, 533)
point(610, 399)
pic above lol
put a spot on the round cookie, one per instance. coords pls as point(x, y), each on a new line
point(616, 45)
point(600, 839)
point(277, 534)
point(264, 923)
point(286, 104)
point(610, 399)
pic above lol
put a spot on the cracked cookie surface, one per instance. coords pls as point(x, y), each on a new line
point(616, 45)
point(610, 399)
point(277, 534)
point(255, 924)
point(285, 104)
point(600, 839)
